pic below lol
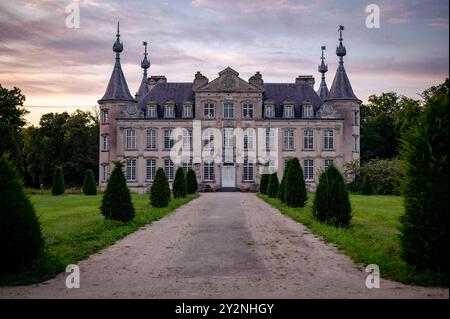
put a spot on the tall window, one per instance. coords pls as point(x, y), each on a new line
point(208, 139)
point(169, 111)
point(228, 110)
point(208, 171)
point(150, 169)
point(130, 139)
point(187, 111)
point(105, 117)
point(186, 165)
point(168, 141)
point(228, 138)
point(308, 140)
point(355, 118)
point(247, 110)
point(130, 170)
point(289, 140)
point(309, 169)
point(288, 111)
point(248, 139)
point(169, 169)
point(328, 144)
point(270, 139)
point(248, 171)
point(151, 139)
point(105, 142)
point(208, 110)
point(355, 143)
point(270, 111)
point(308, 111)
point(327, 163)
point(105, 172)
point(151, 111)
point(187, 139)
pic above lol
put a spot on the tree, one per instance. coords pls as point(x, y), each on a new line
point(424, 148)
point(282, 189)
point(264, 183)
point(331, 202)
point(20, 231)
point(366, 187)
point(58, 187)
point(272, 188)
point(191, 182)
point(179, 187)
point(116, 201)
point(295, 188)
point(89, 185)
point(160, 190)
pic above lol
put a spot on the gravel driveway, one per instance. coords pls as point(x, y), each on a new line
point(222, 245)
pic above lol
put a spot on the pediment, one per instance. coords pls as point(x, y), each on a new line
point(228, 81)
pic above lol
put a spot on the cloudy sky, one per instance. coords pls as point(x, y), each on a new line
point(60, 68)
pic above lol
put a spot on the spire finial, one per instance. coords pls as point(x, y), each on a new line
point(323, 68)
point(118, 46)
point(340, 50)
point(145, 63)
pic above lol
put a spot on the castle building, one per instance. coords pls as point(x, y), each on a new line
point(285, 120)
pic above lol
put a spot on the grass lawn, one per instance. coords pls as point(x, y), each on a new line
point(372, 238)
point(74, 228)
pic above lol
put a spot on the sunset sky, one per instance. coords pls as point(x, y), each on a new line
point(59, 68)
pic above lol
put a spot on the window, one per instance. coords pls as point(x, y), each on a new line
point(130, 170)
point(289, 140)
point(228, 110)
point(288, 111)
point(309, 169)
point(186, 165)
point(270, 111)
point(355, 143)
point(151, 111)
point(308, 140)
point(169, 111)
point(328, 140)
point(355, 118)
point(150, 169)
point(105, 117)
point(228, 138)
point(248, 139)
point(105, 143)
point(187, 139)
point(168, 141)
point(270, 139)
point(187, 111)
point(208, 139)
point(327, 163)
point(308, 111)
point(130, 139)
point(208, 171)
point(248, 171)
point(208, 110)
point(169, 169)
point(151, 139)
point(247, 110)
point(105, 172)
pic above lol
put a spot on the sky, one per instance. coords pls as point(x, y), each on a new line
point(61, 69)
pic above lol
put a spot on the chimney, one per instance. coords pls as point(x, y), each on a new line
point(156, 79)
point(257, 80)
point(305, 79)
point(199, 80)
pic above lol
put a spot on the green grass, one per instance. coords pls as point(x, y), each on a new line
point(372, 238)
point(74, 228)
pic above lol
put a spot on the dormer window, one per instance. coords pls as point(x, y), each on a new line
point(247, 110)
point(288, 111)
point(269, 111)
point(151, 111)
point(187, 111)
point(308, 111)
point(169, 111)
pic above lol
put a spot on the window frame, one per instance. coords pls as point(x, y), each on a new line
point(105, 116)
point(150, 170)
point(227, 108)
point(130, 170)
point(152, 138)
point(270, 114)
point(308, 140)
point(248, 171)
point(171, 113)
point(308, 169)
point(208, 171)
point(328, 140)
point(152, 111)
point(168, 139)
point(169, 169)
point(209, 110)
point(308, 111)
point(289, 138)
point(104, 143)
point(285, 111)
point(189, 114)
point(105, 172)
point(130, 140)
point(247, 107)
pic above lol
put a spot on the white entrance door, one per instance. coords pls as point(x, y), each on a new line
point(228, 176)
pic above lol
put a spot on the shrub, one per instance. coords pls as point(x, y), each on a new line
point(89, 186)
point(331, 203)
point(366, 187)
point(160, 190)
point(20, 231)
point(116, 201)
point(58, 182)
point(191, 182)
point(425, 188)
point(282, 189)
point(272, 188)
point(295, 188)
point(264, 183)
point(179, 187)
point(385, 175)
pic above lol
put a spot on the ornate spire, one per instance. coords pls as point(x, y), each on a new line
point(340, 50)
point(145, 64)
point(117, 87)
point(323, 68)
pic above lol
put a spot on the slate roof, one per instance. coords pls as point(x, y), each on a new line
point(341, 88)
point(117, 87)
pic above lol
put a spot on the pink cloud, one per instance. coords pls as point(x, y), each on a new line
point(254, 6)
point(439, 22)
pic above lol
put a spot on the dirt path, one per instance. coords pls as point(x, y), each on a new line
point(224, 245)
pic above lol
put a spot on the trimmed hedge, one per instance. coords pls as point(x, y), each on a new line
point(179, 187)
point(160, 190)
point(272, 188)
point(191, 181)
point(264, 183)
point(366, 187)
point(295, 188)
point(89, 185)
point(58, 187)
point(282, 189)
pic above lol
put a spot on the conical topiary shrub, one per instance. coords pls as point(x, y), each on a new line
point(20, 231)
point(264, 183)
point(295, 188)
point(89, 186)
point(58, 187)
point(160, 190)
point(179, 187)
point(282, 189)
point(191, 182)
point(116, 201)
point(366, 187)
point(272, 188)
point(331, 202)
